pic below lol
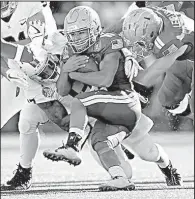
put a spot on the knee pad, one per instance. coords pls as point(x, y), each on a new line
point(115, 140)
point(146, 149)
point(27, 127)
point(106, 154)
point(102, 147)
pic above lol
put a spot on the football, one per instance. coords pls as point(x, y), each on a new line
point(91, 66)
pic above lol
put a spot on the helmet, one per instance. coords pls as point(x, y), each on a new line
point(82, 27)
point(7, 8)
point(46, 71)
point(141, 26)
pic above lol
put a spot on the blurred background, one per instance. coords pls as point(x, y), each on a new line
point(109, 12)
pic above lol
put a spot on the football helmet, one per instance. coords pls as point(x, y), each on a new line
point(82, 27)
point(8, 8)
point(46, 71)
point(141, 26)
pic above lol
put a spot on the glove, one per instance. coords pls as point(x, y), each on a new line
point(132, 67)
point(36, 32)
point(18, 78)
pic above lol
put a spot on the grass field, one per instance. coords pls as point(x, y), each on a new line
point(53, 180)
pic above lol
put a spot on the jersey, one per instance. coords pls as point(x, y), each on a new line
point(177, 30)
point(109, 43)
point(16, 28)
point(186, 7)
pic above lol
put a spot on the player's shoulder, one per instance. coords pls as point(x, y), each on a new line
point(110, 42)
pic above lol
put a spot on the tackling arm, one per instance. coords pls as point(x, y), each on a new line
point(16, 52)
point(149, 75)
point(63, 84)
point(102, 78)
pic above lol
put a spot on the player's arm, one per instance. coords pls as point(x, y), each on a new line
point(104, 77)
point(73, 63)
point(148, 76)
point(15, 76)
point(63, 84)
point(17, 52)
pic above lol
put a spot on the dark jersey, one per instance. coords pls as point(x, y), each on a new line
point(107, 43)
point(177, 30)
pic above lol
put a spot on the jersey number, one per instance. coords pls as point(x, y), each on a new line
point(21, 36)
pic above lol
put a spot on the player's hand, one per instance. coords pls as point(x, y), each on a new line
point(132, 67)
point(17, 77)
point(74, 63)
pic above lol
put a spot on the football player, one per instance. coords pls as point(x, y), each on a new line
point(49, 105)
point(15, 19)
point(163, 43)
point(86, 38)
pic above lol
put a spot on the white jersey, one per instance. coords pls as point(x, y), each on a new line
point(16, 28)
point(40, 92)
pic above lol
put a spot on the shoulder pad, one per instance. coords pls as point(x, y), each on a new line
point(111, 42)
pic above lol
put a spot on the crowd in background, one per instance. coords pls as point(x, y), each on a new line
point(109, 12)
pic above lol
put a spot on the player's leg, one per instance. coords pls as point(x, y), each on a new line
point(176, 84)
point(143, 127)
point(115, 108)
point(104, 105)
point(30, 118)
point(104, 139)
point(143, 145)
point(12, 100)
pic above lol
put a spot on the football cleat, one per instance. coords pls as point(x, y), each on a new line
point(20, 181)
point(68, 153)
point(116, 184)
point(63, 153)
point(172, 177)
point(129, 155)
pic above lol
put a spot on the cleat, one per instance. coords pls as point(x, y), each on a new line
point(172, 177)
point(68, 153)
point(20, 181)
point(116, 184)
point(63, 153)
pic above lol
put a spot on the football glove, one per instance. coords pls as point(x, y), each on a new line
point(132, 67)
point(18, 77)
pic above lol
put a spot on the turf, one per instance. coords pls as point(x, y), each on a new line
point(54, 180)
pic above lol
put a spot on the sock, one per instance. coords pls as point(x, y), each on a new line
point(78, 118)
point(116, 171)
point(29, 144)
point(163, 160)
